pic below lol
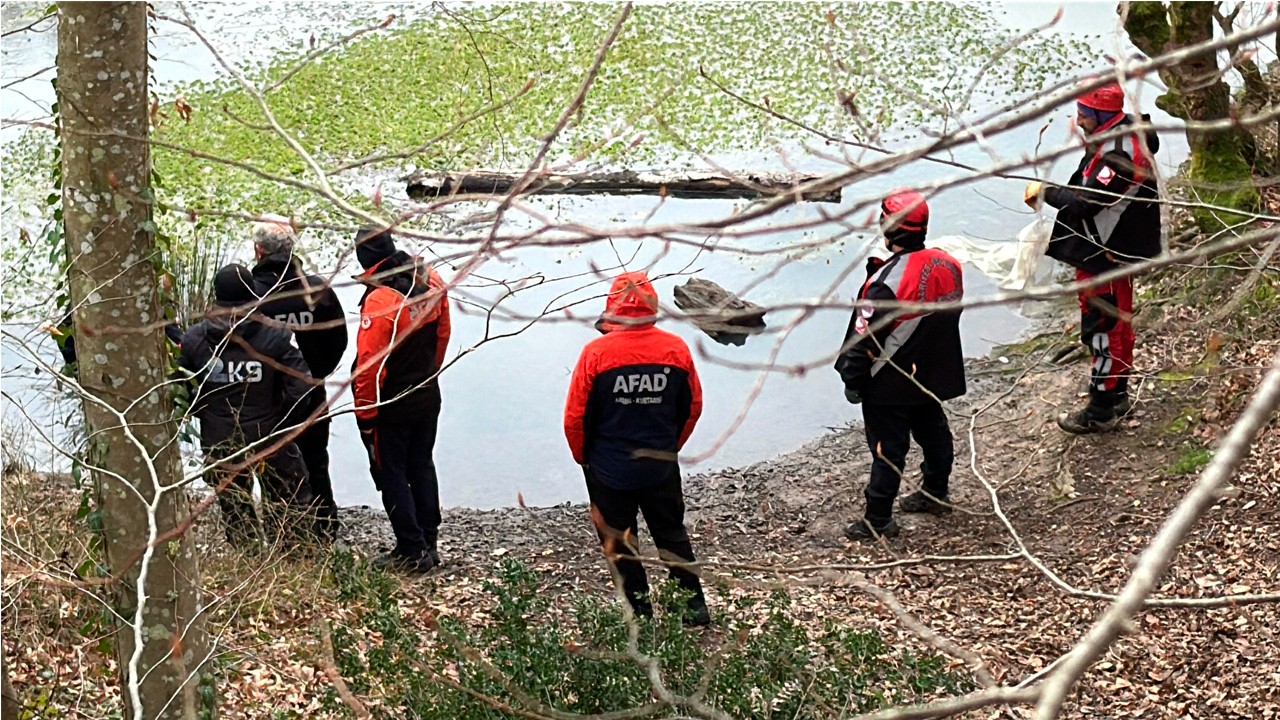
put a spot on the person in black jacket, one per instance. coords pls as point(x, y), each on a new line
point(1108, 215)
point(902, 363)
point(308, 306)
point(250, 383)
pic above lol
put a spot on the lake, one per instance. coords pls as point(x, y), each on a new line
point(501, 427)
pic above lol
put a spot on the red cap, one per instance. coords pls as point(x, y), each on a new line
point(908, 209)
point(1108, 98)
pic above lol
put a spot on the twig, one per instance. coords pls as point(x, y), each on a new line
point(1155, 560)
point(330, 670)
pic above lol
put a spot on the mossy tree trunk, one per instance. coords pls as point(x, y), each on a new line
point(123, 361)
point(1219, 169)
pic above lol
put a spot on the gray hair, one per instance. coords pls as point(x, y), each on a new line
point(274, 234)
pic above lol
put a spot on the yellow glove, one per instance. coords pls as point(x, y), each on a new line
point(1031, 195)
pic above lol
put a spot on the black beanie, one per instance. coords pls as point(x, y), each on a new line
point(233, 285)
point(373, 245)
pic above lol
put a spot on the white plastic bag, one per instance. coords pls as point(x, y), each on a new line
point(1011, 265)
point(1030, 266)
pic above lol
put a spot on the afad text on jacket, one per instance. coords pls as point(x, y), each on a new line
point(635, 395)
point(894, 357)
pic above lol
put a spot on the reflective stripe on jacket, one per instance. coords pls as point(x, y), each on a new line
point(893, 356)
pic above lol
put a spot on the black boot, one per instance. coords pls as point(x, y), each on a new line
point(696, 613)
point(1122, 405)
point(1098, 416)
point(416, 563)
point(866, 530)
point(922, 501)
point(431, 538)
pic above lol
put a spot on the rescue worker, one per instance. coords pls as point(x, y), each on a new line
point(308, 306)
point(250, 384)
point(1107, 216)
point(901, 364)
point(400, 347)
point(634, 398)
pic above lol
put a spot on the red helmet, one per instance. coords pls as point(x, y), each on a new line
point(908, 209)
point(1108, 98)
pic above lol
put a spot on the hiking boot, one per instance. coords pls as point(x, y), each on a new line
point(432, 551)
point(922, 502)
point(641, 608)
point(1122, 406)
point(696, 613)
point(413, 564)
point(1098, 416)
point(1088, 421)
point(864, 530)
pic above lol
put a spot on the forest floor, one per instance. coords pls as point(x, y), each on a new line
point(1084, 507)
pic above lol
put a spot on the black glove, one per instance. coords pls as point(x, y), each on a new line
point(852, 395)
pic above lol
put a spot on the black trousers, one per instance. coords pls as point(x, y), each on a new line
point(287, 508)
point(400, 461)
point(313, 443)
point(663, 508)
point(889, 432)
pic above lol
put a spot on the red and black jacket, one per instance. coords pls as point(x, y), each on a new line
point(635, 396)
point(894, 357)
point(1108, 213)
point(404, 332)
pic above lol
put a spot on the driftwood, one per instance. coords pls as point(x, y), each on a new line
point(423, 185)
point(723, 316)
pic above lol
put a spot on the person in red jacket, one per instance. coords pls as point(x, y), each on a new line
point(1108, 216)
point(902, 364)
point(633, 401)
point(400, 347)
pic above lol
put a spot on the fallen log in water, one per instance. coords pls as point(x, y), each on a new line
point(424, 185)
point(725, 317)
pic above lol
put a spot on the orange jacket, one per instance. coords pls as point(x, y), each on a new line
point(404, 332)
point(635, 396)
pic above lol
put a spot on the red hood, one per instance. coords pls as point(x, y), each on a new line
point(631, 296)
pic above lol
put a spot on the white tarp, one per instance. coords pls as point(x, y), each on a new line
point(1013, 264)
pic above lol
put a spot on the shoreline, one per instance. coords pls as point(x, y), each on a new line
point(715, 499)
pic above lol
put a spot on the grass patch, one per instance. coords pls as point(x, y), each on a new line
point(1192, 460)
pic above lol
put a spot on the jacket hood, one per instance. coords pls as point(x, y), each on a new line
point(1150, 137)
point(631, 298)
point(274, 267)
point(383, 270)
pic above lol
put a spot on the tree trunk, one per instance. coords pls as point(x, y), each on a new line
point(424, 185)
point(10, 705)
point(123, 361)
point(1220, 172)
